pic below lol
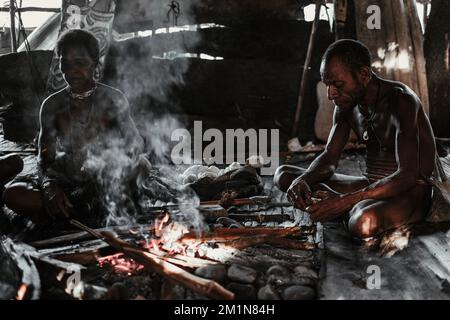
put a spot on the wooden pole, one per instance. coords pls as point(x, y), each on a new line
point(340, 18)
point(405, 58)
point(392, 73)
point(34, 9)
point(417, 42)
point(12, 12)
point(303, 81)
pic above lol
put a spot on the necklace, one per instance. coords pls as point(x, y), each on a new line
point(368, 122)
point(82, 95)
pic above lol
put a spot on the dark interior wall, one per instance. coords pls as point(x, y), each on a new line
point(255, 85)
point(437, 52)
point(22, 83)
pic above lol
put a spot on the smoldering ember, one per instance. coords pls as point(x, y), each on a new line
point(220, 150)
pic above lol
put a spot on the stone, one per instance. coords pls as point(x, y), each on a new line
point(242, 291)
point(304, 281)
point(279, 279)
point(239, 273)
point(298, 293)
point(268, 293)
point(215, 272)
point(277, 269)
point(172, 291)
point(306, 272)
point(228, 222)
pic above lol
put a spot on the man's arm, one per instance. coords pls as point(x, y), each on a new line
point(407, 154)
point(323, 167)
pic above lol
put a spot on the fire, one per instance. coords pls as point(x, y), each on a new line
point(164, 241)
point(159, 224)
point(120, 264)
point(21, 292)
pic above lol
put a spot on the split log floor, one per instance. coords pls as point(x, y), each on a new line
point(421, 271)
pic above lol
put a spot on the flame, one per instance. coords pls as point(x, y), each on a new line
point(159, 224)
point(120, 264)
point(21, 292)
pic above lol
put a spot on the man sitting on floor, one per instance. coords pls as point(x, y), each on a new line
point(388, 117)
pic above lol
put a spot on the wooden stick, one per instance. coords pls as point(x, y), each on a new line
point(417, 42)
point(182, 260)
point(84, 235)
point(260, 217)
point(304, 79)
point(225, 234)
point(208, 288)
point(246, 242)
point(292, 244)
point(202, 286)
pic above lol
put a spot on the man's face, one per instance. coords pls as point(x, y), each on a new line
point(343, 88)
point(77, 66)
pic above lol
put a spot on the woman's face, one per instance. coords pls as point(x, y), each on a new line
point(77, 67)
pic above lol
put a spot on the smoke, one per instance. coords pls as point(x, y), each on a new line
point(131, 184)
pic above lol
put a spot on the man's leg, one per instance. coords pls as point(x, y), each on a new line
point(338, 182)
point(372, 217)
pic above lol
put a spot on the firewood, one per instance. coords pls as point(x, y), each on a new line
point(246, 242)
point(182, 260)
point(225, 234)
point(292, 244)
point(417, 42)
point(84, 235)
point(199, 285)
point(260, 217)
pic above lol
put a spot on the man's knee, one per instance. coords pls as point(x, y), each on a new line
point(363, 223)
point(285, 174)
point(279, 178)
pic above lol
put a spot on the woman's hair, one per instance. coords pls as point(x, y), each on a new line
point(79, 37)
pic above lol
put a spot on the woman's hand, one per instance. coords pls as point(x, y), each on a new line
point(56, 202)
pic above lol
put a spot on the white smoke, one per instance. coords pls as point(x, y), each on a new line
point(146, 82)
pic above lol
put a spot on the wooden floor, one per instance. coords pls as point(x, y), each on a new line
point(421, 271)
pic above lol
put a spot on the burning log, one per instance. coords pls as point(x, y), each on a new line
point(224, 234)
point(199, 285)
point(292, 244)
point(280, 218)
point(253, 241)
point(84, 235)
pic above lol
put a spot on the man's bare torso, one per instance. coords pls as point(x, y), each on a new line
point(381, 130)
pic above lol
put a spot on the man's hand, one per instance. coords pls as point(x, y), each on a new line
point(331, 208)
point(299, 193)
point(55, 201)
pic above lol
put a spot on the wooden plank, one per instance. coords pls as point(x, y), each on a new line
point(417, 42)
point(137, 14)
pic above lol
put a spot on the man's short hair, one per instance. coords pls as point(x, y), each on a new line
point(79, 37)
point(352, 53)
